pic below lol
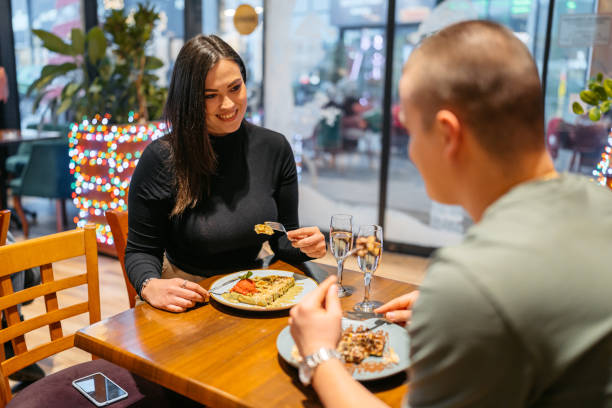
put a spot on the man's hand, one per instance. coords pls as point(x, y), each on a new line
point(174, 295)
point(309, 240)
point(316, 320)
point(399, 310)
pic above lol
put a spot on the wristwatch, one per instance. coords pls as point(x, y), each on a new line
point(145, 283)
point(309, 363)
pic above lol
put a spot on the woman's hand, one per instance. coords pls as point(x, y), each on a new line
point(316, 320)
point(309, 240)
point(398, 310)
point(174, 295)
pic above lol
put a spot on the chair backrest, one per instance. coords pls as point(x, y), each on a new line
point(47, 173)
point(43, 252)
point(118, 222)
point(5, 220)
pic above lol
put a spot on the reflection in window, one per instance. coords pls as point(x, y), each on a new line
point(167, 36)
point(30, 56)
point(424, 222)
point(250, 48)
point(326, 98)
point(574, 142)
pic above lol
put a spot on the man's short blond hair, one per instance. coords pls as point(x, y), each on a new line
point(483, 73)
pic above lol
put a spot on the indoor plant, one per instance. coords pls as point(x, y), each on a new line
point(99, 81)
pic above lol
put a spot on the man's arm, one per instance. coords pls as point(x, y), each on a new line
point(315, 324)
point(462, 351)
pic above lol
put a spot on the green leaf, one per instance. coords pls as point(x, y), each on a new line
point(607, 84)
point(105, 70)
point(95, 88)
point(48, 73)
point(577, 108)
point(70, 89)
point(594, 114)
point(56, 70)
point(53, 43)
point(78, 40)
point(605, 106)
point(39, 84)
point(599, 77)
point(153, 63)
point(96, 44)
point(600, 92)
point(66, 103)
point(37, 101)
point(589, 97)
point(246, 275)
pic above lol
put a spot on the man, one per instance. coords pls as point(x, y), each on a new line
point(519, 314)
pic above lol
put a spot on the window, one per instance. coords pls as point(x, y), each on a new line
point(59, 17)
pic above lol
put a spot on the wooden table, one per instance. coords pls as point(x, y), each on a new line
point(221, 356)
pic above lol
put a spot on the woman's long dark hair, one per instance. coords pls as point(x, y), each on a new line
point(192, 157)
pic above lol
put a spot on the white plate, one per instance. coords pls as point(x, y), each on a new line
point(305, 282)
point(398, 341)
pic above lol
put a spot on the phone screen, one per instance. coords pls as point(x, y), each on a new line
point(100, 388)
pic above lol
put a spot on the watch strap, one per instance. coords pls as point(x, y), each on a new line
point(308, 365)
point(321, 355)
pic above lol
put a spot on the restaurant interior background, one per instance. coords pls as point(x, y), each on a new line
point(318, 73)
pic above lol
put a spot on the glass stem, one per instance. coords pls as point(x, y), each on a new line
point(367, 278)
point(340, 268)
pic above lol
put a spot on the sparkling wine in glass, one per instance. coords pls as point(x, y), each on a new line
point(341, 242)
point(369, 245)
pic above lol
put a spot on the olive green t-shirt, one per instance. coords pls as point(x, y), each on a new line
point(520, 313)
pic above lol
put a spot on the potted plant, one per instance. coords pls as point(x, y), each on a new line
point(597, 98)
point(101, 82)
point(113, 99)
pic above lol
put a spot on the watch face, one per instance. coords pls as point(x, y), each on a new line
point(305, 373)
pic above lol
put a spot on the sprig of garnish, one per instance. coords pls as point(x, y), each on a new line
point(246, 275)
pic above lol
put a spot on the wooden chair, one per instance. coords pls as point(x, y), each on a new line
point(118, 222)
point(56, 389)
point(5, 220)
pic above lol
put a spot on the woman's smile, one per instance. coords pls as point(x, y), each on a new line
point(228, 117)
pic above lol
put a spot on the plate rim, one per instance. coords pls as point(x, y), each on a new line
point(245, 306)
point(400, 367)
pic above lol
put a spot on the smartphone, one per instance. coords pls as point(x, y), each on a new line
point(99, 389)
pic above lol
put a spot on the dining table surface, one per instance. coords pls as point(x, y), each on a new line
point(222, 356)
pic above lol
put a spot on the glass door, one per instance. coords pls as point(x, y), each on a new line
point(411, 217)
point(324, 93)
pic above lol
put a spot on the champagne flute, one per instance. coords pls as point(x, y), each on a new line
point(340, 243)
point(369, 246)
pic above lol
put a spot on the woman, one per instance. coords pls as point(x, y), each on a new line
point(197, 193)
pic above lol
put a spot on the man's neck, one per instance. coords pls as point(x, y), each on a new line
point(490, 182)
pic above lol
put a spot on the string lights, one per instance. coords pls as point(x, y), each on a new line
point(603, 171)
point(102, 159)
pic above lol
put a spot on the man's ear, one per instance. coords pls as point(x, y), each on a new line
point(450, 130)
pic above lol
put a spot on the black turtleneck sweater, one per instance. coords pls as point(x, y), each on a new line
point(256, 181)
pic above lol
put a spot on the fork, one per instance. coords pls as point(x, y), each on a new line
point(277, 226)
point(377, 324)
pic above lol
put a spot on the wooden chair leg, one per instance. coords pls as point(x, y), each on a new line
point(21, 215)
point(61, 220)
